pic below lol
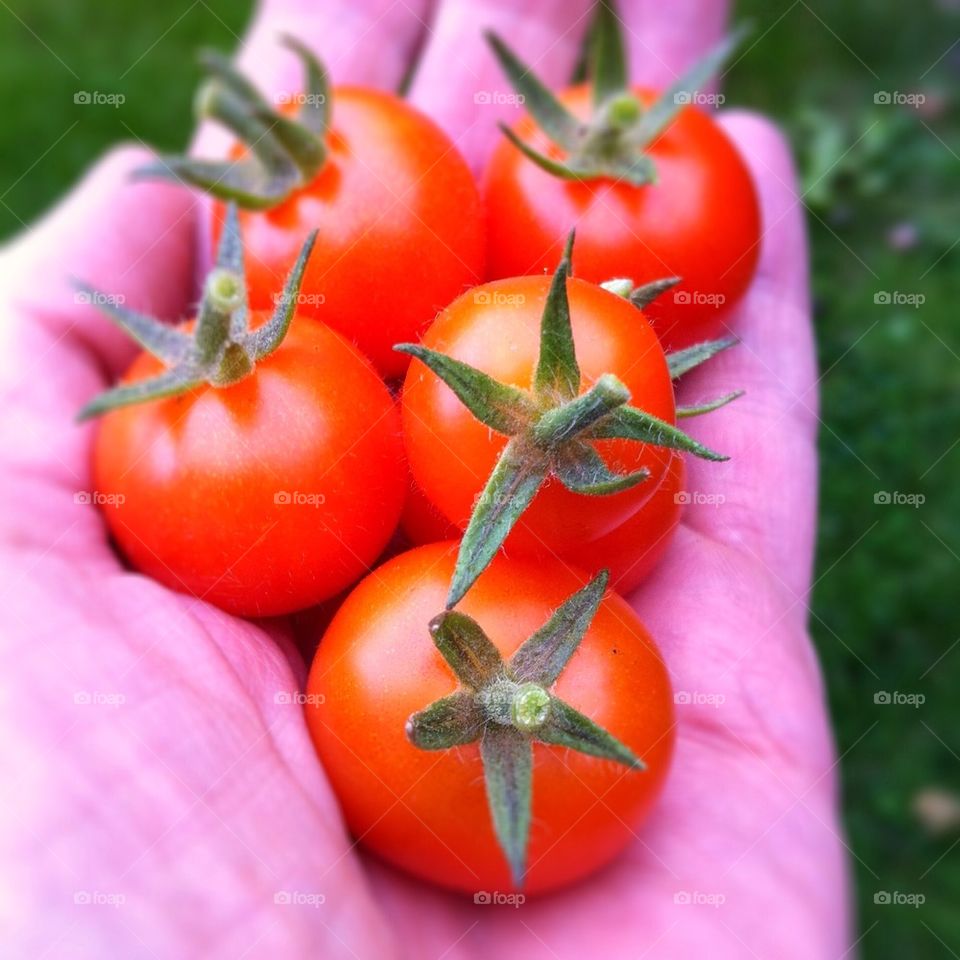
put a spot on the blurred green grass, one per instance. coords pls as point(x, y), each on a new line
point(884, 604)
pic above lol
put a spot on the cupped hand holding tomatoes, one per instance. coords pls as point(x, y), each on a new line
point(264, 482)
point(654, 189)
point(427, 812)
point(397, 213)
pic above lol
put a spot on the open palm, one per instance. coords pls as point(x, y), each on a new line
point(161, 796)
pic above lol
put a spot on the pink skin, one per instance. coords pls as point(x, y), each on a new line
point(198, 798)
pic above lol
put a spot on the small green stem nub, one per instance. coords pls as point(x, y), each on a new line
point(221, 350)
point(612, 143)
point(531, 707)
point(225, 290)
point(565, 422)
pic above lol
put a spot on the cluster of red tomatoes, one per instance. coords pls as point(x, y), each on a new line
point(274, 450)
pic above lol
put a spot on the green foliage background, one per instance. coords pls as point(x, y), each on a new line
point(885, 609)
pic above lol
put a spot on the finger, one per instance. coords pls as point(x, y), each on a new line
point(129, 240)
point(458, 81)
point(768, 487)
point(370, 42)
point(665, 39)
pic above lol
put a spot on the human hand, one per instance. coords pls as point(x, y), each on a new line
point(198, 798)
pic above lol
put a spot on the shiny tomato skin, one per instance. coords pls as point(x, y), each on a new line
point(426, 812)
point(699, 221)
point(400, 228)
point(266, 496)
point(496, 328)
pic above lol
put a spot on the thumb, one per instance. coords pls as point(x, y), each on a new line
point(130, 240)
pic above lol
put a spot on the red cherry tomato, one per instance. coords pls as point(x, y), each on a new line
point(496, 328)
point(426, 812)
point(699, 221)
point(399, 221)
point(266, 496)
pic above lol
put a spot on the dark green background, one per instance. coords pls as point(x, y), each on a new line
point(885, 601)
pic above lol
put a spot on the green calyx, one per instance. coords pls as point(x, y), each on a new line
point(678, 361)
point(222, 349)
point(551, 426)
point(508, 706)
point(613, 141)
point(285, 153)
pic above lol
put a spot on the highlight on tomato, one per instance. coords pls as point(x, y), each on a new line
point(542, 409)
point(498, 726)
point(396, 211)
point(651, 182)
point(252, 456)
